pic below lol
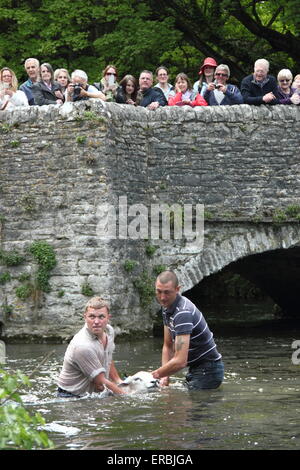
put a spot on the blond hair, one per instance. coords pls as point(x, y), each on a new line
point(97, 303)
point(58, 71)
point(285, 73)
point(14, 81)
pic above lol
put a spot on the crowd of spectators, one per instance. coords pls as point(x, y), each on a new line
point(45, 86)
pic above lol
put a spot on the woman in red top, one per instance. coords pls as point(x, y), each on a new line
point(185, 95)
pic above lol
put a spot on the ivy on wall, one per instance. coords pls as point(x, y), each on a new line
point(43, 253)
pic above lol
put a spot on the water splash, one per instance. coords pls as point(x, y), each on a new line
point(61, 429)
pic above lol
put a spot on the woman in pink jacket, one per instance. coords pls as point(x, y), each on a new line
point(184, 93)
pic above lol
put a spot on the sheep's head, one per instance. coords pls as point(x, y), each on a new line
point(140, 382)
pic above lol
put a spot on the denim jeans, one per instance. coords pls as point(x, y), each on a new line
point(64, 394)
point(208, 375)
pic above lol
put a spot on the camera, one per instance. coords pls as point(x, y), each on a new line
point(218, 85)
point(77, 89)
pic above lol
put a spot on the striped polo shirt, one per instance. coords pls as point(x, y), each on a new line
point(183, 318)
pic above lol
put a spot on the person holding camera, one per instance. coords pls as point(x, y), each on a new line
point(79, 89)
point(219, 92)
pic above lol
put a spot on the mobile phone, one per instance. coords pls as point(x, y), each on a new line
point(111, 80)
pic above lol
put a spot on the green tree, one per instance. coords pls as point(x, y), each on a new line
point(18, 429)
point(238, 32)
point(86, 35)
point(139, 34)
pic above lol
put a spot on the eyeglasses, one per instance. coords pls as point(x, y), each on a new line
point(162, 75)
point(6, 76)
point(285, 80)
point(218, 74)
point(110, 73)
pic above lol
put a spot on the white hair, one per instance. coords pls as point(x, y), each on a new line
point(36, 61)
point(285, 73)
point(79, 73)
point(264, 62)
point(223, 67)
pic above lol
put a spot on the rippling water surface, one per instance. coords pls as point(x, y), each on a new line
point(257, 407)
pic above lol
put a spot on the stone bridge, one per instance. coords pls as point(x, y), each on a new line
point(84, 179)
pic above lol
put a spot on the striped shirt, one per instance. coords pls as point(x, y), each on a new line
point(183, 318)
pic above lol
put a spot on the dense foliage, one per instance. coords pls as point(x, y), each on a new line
point(18, 429)
point(139, 34)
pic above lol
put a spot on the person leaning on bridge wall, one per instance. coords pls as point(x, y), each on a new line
point(63, 78)
point(260, 87)
point(79, 89)
point(162, 77)
point(10, 96)
point(296, 83)
point(128, 92)
point(47, 90)
point(185, 95)
point(206, 74)
point(108, 84)
point(152, 97)
point(32, 67)
point(287, 94)
point(219, 92)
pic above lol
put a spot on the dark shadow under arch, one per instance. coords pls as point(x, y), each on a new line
point(274, 274)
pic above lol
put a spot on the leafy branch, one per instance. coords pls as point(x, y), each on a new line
point(18, 429)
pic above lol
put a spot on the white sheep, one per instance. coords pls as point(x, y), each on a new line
point(140, 382)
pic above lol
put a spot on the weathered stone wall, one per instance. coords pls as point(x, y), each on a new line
point(58, 165)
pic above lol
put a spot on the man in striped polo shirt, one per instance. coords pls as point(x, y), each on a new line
point(188, 340)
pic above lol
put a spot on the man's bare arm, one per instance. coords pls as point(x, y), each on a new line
point(178, 361)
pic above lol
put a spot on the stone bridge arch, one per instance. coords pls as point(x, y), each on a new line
point(268, 255)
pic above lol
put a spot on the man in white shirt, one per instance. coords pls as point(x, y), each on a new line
point(88, 365)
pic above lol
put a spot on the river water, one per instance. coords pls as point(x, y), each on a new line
point(257, 407)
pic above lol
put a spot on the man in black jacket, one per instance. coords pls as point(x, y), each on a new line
point(259, 87)
point(153, 97)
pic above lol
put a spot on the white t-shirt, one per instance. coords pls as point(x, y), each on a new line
point(19, 98)
point(219, 95)
point(85, 358)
